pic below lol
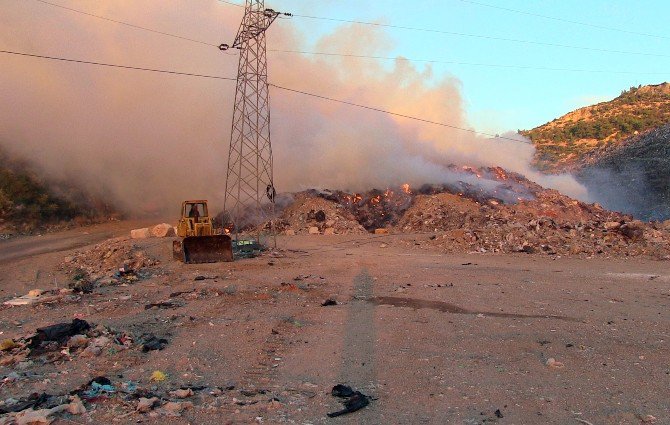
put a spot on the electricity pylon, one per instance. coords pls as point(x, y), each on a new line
point(250, 192)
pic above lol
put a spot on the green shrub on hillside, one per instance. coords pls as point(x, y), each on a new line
point(24, 199)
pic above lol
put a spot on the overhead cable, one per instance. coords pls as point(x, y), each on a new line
point(136, 68)
point(127, 24)
point(231, 3)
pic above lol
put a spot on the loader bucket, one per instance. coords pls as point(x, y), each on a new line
point(203, 249)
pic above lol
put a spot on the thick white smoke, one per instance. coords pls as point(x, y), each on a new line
point(147, 141)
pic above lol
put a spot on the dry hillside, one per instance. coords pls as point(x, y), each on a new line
point(564, 143)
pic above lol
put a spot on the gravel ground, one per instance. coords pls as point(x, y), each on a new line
point(430, 337)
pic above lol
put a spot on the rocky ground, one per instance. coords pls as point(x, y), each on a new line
point(425, 335)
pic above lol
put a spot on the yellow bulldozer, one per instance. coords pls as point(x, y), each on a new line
point(199, 244)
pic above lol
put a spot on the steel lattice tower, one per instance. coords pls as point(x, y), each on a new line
point(250, 192)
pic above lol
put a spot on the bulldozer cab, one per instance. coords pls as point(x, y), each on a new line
point(195, 219)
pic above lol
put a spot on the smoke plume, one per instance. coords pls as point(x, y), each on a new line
point(146, 141)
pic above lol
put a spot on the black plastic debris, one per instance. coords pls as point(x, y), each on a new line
point(320, 216)
point(341, 391)
point(498, 413)
point(329, 302)
point(353, 400)
point(153, 343)
point(59, 332)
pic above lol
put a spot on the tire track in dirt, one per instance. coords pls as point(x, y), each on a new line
point(358, 355)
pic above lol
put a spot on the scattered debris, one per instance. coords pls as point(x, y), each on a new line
point(329, 302)
point(28, 412)
point(649, 419)
point(199, 278)
point(182, 393)
point(247, 249)
point(38, 296)
point(81, 285)
point(8, 345)
point(97, 387)
point(158, 376)
point(174, 408)
point(552, 363)
point(164, 304)
point(145, 405)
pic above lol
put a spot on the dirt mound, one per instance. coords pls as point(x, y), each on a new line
point(443, 211)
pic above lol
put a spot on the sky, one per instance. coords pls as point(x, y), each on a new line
point(499, 95)
point(500, 99)
point(151, 139)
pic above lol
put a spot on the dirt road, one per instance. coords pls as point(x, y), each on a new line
point(432, 338)
point(21, 247)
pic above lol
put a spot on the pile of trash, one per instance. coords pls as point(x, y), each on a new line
point(111, 262)
point(310, 214)
point(62, 341)
point(67, 342)
point(485, 209)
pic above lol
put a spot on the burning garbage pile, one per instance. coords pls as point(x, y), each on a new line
point(484, 210)
point(341, 212)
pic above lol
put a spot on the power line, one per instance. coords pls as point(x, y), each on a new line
point(136, 68)
point(553, 18)
point(485, 37)
point(230, 3)
point(127, 24)
point(371, 108)
point(441, 61)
